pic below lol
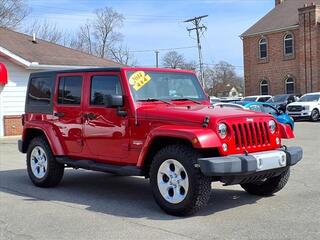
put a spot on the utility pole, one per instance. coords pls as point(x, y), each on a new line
point(157, 58)
point(199, 28)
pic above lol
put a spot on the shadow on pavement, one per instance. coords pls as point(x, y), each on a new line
point(109, 194)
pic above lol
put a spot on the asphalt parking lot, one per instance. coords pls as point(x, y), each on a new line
point(91, 205)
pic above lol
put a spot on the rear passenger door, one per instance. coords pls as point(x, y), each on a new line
point(68, 111)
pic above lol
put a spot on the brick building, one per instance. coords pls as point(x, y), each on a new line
point(21, 55)
point(282, 50)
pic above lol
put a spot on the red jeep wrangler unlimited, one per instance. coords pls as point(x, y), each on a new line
point(156, 123)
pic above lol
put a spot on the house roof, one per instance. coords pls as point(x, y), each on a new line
point(20, 46)
point(283, 16)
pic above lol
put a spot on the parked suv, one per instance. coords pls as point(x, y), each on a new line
point(308, 106)
point(156, 123)
point(281, 101)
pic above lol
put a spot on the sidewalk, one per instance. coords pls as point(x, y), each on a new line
point(9, 139)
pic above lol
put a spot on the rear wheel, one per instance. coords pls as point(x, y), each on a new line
point(42, 167)
point(315, 115)
point(178, 186)
point(268, 186)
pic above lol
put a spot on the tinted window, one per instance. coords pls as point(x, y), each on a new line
point(249, 99)
point(270, 110)
point(263, 99)
point(256, 108)
point(40, 91)
point(309, 98)
point(102, 86)
point(70, 90)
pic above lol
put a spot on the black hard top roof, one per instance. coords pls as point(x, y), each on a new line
point(42, 73)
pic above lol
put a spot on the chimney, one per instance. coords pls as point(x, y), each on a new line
point(277, 2)
point(34, 40)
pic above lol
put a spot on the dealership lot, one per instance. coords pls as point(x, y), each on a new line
point(91, 205)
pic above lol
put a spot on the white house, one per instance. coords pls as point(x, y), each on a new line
point(21, 55)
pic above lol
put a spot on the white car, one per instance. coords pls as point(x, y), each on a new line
point(308, 106)
point(258, 98)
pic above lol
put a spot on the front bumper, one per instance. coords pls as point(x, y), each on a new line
point(255, 163)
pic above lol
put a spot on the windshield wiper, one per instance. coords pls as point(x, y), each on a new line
point(186, 99)
point(154, 100)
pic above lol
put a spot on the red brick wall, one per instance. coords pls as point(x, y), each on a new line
point(12, 125)
point(304, 67)
point(275, 69)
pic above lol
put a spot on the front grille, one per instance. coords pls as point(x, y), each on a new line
point(249, 135)
point(294, 108)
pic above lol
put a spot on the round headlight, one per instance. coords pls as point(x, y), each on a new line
point(222, 130)
point(272, 126)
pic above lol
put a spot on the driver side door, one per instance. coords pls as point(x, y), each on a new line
point(106, 134)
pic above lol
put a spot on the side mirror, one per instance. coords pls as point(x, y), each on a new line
point(113, 101)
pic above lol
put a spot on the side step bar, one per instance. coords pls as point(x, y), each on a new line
point(101, 167)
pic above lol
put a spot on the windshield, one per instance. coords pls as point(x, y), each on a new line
point(309, 98)
point(249, 99)
point(152, 85)
point(279, 98)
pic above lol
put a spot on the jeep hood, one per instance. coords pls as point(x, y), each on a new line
point(193, 113)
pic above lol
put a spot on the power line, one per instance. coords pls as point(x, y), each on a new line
point(162, 49)
point(198, 28)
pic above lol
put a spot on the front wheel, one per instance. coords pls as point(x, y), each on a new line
point(178, 186)
point(268, 186)
point(43, 169)
point(315, 115)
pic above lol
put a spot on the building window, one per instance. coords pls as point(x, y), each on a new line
point(289, 85)
point(288, 44)
point(263, 48)
point(264, 87)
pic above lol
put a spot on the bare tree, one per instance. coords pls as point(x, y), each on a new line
point(173, 59)
point(121, 54)
point(104, 29)
point(12, 13)
point(47, 31)
point(221, 75)
point(100, 37)
point(83, 40)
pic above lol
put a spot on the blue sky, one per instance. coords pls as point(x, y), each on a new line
point(158, 24)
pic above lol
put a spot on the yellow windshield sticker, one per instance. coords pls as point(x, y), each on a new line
point(139, 79)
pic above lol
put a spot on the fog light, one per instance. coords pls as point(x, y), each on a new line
point(225, 147)
point(277, 141)
point(282, 160)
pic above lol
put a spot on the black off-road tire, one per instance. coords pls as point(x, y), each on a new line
point(269, 186)
point(315, 116)
point(55, 170)
point(199, 190)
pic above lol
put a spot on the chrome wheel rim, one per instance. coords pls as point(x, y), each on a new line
point(38, 162)
point(315, 115)
point(173, 181)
